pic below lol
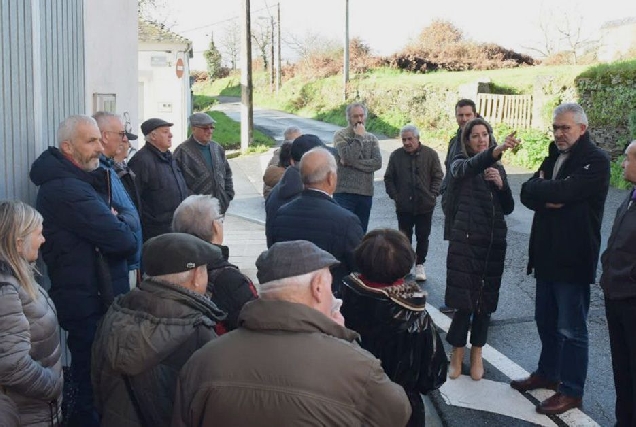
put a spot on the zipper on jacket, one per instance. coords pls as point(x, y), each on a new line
point(492, 236)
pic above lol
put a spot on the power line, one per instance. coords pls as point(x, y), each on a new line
point(219, 22)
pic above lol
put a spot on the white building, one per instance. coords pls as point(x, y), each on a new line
point(59, 57)
point(164, 77)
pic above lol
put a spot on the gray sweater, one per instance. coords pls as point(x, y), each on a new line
point(361, 157)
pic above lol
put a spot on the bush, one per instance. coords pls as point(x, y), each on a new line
point(203, 102)
point(533, 148)
point(616, 175)
point(228, 133)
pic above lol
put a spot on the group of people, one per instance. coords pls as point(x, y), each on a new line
point(163, 330)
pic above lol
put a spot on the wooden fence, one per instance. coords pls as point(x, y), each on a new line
point(513, 110)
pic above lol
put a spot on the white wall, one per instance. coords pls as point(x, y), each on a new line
point(111, 54)
point(164, 94)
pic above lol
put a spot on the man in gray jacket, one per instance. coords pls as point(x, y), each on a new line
point(358, 158)
point(203, 163)
point(307, 369)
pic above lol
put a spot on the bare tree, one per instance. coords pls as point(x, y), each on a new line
point(262, 38)
point(230, 43)
point(548, 45)
point(311, 43)
point(158, 11)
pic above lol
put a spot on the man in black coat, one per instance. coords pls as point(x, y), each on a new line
point(315, 216)
point(159, 178)
point(567, 194)
point(619, 285)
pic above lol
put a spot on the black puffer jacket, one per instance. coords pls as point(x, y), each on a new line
point(477, 236)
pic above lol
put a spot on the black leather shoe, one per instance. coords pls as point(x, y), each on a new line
point(558, 404)
point(533, 382)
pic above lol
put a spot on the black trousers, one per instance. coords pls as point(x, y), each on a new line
point(621, 318)
point(418, 413)
point(462, 320)
point(422, 225)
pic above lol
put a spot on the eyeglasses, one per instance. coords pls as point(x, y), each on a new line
point(220, 218)
point(563, 128)
point(121, 134)
point(205, 127)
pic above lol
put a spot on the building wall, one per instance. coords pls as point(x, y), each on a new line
point(111, 55)
point(41, 82)
point(164, 94)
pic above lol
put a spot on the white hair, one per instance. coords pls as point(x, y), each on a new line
point(180, 278)
point(571, 107)
point(321, 172)
point(196, 215)
point(293, 283)
point(410, 128)
point(67, 129)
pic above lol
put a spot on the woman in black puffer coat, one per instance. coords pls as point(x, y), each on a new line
point(30, 365)
point(480, 197)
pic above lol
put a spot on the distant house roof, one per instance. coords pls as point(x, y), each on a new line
point(151, 32)
point(619, 23)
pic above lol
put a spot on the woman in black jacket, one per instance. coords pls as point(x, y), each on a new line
point(389, 314)
point(479, 198)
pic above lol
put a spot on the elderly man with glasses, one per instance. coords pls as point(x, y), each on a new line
point(203, 163)
point(115, 141)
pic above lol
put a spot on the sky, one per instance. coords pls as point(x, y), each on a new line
point(388, 25)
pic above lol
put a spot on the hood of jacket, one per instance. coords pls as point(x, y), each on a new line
point(291, 183)
point(151, 322)
point(270, 315)
point(52, 165)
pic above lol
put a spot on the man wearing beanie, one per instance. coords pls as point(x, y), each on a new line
point(203, 162)
point(289, 363)
point(148, 334)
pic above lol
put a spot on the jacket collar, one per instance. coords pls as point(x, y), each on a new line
point(165, 156)
point(583, 144)
point(269, 315)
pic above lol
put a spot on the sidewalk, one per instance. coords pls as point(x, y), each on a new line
point(244, 230)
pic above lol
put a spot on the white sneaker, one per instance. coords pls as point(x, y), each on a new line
point(420, 274)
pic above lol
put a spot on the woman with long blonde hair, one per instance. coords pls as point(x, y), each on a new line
point(30, 365)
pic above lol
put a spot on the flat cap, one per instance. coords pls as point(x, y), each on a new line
point(293, 258)
point(304, 143)
point(177, 252)
point(152, 124)
point(201, 119)
point(131, 136)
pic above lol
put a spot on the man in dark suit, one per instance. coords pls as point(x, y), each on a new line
point(315, 216)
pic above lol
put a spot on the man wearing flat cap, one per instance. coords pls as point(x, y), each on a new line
point(289, 363)
point(203, 162)
point(147, 335)
point(158, 177)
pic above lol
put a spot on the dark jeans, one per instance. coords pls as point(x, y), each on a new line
point(418, 413)
point(358, 204)
point(621, 318)
point(422, 225)
point(561, 316)
point(80, 339)
point(458, 331)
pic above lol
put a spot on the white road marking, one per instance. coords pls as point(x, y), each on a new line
point(479, 399)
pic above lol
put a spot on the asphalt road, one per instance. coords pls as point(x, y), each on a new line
point(512, 334)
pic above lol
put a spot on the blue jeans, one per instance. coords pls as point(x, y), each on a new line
point(561, 316)
point(358, 204)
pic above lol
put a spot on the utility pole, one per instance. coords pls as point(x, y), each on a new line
point(271, 62)
point(278, 76)
point(247, 107)
point(346, 50)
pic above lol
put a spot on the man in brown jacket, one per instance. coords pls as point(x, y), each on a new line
point(289, 363)
point(412, 179)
